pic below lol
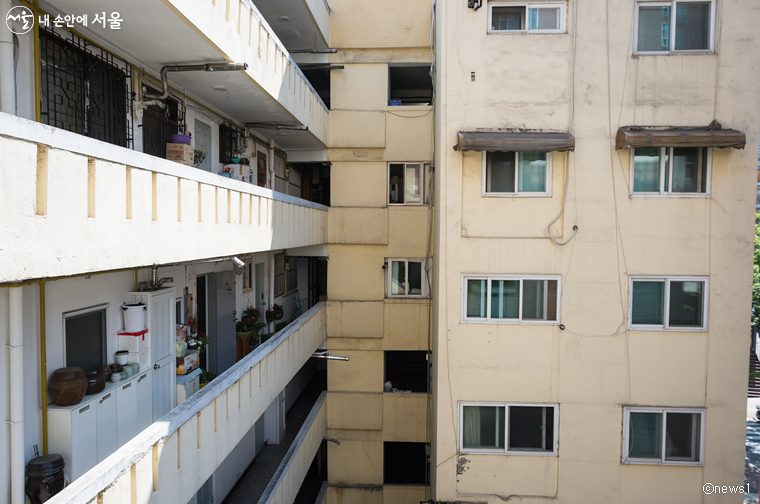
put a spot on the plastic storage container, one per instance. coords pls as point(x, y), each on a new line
point(134, 316)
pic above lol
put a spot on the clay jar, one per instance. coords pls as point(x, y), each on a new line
point(68, 386)
point(106, 372)
point(96, 382)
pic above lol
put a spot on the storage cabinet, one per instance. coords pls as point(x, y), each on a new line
point(126, 404)
point(87, 433)
point(106, 424)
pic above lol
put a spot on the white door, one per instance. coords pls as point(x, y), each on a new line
point(203, 143)
point(105, 412)
point(126, 405)
point(163, 335)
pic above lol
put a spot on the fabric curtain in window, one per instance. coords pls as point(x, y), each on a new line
point(507, 18)
point(398, 278)
point(483, 427)
point(531, 175)
point(647, 303)
point(645, 435)
point(686, 169)
point(413, 183)
point(654, 28)
point(543, 19)
point(476, 298)
point(533, 300)
point(501, 172)
point(692, 26)
point(685, 307)
point(505, 299)
point(646, 170)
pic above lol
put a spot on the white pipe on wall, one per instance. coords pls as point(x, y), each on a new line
point(5, 452)
point(271, 283)
point(271, 165)
point(7, 67)
point(16, 357)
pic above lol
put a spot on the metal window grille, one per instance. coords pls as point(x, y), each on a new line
point(84, 89)
point(228, 144)
point(158, 125)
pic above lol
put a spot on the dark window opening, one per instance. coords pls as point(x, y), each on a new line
point(407, 370)
point(159, 125)
point(410, 85)
point(83, 89)
point(405, 463)
point(531, 428)
point(86, 340)
point(279, 275)
point(228, 144)
point(314, 180)
point(320, 81)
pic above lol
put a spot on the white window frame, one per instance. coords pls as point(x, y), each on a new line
point(426, 167)
point(627, 410)
point(666, 301)
point(389, 279)
point(673, 5)
point(703, 151)
point(85, 311)
point(517, 194)
point(562, 16)
point(519, 320)
point(506, 450)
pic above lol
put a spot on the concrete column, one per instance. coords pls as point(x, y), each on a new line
point(16, 357)
point(7, 68)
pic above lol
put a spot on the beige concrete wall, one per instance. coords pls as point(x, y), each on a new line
point(363, 231)
point(595, 366)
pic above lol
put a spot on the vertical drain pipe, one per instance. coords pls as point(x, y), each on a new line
point(271, 167)
point(7, 67)
point(16, 358)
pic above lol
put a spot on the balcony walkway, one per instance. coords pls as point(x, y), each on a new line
point(259, 474)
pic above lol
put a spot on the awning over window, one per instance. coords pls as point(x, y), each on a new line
point(491, 141)
point(631, 137)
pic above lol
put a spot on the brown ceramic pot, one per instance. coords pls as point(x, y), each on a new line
point(106, 372)
point(68, 386)
point(96, 382)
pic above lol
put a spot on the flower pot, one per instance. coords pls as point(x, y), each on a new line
point(244, 335)
point(194, 328)
point(279, 317)
point(247, 320)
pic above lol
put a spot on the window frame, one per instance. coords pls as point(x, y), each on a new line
point(627, 410)
point(105, 308)
point(426, 167)
point(519, 320)
point(666, 302)
point(517, 194)
point(662, 193)
point(389, 279)
point(673, 5)
point(535, 5)
point(506, 450)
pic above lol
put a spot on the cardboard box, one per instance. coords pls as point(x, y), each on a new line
point(188, 363)
point(180, 153)
point(240, 172)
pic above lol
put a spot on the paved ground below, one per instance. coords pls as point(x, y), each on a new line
point(752, 461)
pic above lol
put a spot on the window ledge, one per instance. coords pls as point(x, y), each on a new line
point(510, 322)
point(671, 196)
point(679, 53)
point(668, 329)
point(508, 453)
point(516, 195)
point(660, 463)
point(525, 32)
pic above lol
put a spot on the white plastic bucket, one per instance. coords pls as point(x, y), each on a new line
point(134, 316)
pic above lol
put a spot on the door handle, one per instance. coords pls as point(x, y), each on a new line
point(156, 366)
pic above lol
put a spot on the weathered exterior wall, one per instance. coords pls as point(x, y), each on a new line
point(595, 366)
point(363, 231)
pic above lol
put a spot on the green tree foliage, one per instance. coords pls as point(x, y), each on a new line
point(756, 279)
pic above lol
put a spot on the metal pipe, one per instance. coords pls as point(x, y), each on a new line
point(313, 50)
point(332, 440)
point(43, 368)
point(16, 358)
point(327, 355)
point(324, 66)
point(208, 67)
point(7, 66)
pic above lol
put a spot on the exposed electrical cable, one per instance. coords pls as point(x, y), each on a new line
point(569, 129)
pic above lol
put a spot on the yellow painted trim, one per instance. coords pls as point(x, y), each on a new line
point(43, 368)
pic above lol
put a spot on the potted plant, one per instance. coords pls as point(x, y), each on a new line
point(251, 315)
point(243, 330)
point(198, 342)
point(255, 336)
point(276, 313)
point(193, 323)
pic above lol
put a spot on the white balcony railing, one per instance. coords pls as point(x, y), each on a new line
point(71, 205)
point(168, 462)
point(287, 480)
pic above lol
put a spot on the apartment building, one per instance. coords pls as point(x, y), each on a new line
point(593, 249)
point(516, 229)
